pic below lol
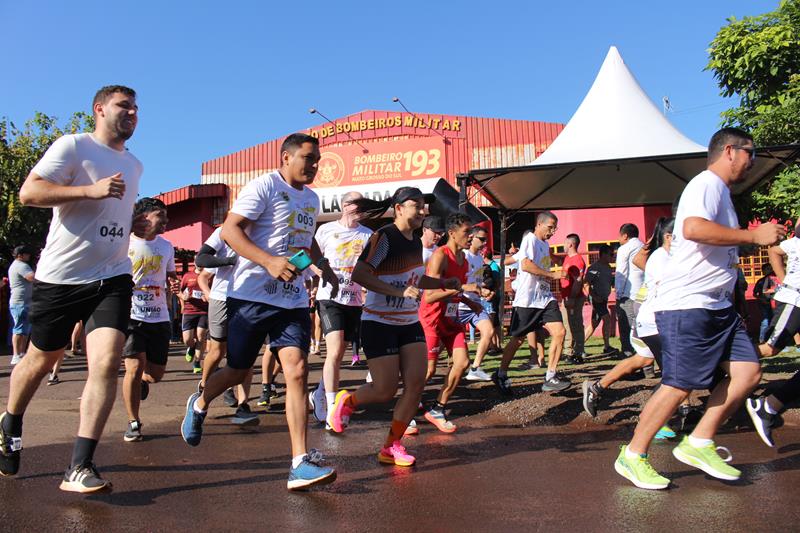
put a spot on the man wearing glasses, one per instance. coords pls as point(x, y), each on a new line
point(700, 331)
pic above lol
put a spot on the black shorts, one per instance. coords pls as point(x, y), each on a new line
point(784, 325)
point(189, 322)
point(379, 339)
point(339, 317)
point(56, 308)
point(149, 338)
point(599, 310)
point(654, 343)
point(527, 319)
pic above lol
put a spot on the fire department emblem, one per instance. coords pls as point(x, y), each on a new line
point(330, 170)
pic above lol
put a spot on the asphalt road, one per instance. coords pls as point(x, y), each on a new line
point(494, 473)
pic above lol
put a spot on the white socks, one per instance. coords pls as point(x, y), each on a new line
point(767, 406)
point(330, 397)
point(297, 460)
point(631, 455)
point(550, 374)
point(699, 443)
point(197, 409)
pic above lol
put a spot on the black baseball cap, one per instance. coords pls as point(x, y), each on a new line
point(411, 193)
point(434, 223)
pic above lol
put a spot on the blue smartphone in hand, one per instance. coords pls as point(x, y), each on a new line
point(301, 260)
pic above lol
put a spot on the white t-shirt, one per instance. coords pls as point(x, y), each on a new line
point(700, 276)
point(222, 275)
point(654, 271)
point(427, 253)
point(792, 278)
point(628, 278)
point(342, 246)
point(88, 239)
point(151, 261)
point(533, 291)
point(284, 219)
point(474, 275)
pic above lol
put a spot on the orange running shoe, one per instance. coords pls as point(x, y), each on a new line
point(396, 454)
point(438, 419)
point(412, 428)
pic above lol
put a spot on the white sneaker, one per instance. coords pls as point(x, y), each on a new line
point(368, 379)
point(17, 358)
point(477, 374)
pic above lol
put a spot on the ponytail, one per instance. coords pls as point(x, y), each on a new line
point(367, 208)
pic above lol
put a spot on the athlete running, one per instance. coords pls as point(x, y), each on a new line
point(341, 241)
point(147, 346)
point(440, 310)
point(391, 269)
point(91, 181)
point(194, 323)
point(478, 317)
point(271, 227)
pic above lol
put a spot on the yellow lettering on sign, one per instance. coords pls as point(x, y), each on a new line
point(371, 124)
point(409, 121)
point(381, 122)
point(446, 125)
point(456, 125)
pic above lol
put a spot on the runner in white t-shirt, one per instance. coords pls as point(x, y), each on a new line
point(218, 260)
point(147, 346)
point(534, 305)
point(91, 181)
point(782, 329)
point(270, 224)
point(342, 242)
point(700, 332)
point(644, 336)
point(628, 278)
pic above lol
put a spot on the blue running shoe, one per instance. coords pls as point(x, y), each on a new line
point(192, 426)
point(309, 473)
point(319, 405)
point(665, 433)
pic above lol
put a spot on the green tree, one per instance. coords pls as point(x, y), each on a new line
point(19, 152)
point(757, 59)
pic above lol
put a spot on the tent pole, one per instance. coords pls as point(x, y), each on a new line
point(503, 245)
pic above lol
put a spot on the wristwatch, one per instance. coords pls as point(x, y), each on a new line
point(322, 262)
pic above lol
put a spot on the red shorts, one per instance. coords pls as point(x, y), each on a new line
point(450, 340)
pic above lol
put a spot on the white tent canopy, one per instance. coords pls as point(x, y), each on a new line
point(617, 150)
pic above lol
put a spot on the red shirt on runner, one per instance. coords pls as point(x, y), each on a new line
point(195, 305)
point(575, 267)
point(441, 315)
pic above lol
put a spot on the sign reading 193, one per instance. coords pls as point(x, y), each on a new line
point(423, 161)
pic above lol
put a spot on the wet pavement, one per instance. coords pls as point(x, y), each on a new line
point(496, 472)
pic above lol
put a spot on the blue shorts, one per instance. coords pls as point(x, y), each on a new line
point(467, 316)
point(695, 341)
point(250, 323)
point(22, 321)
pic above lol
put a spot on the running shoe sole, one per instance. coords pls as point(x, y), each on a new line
point(137, 438)
point(305, 484)
point(556, 388)
point(691, 461)
point(338, 407)
point(69, 486)
point(245, 422)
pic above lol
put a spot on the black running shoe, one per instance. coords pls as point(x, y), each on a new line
point(575, 359)
point(762, 420)
point(557, 383)
point(591, 395)
point(10, 446)
point(134, 431)
point(145, 390)
point(229, 398)
point(503, 384)
point(263, 400)
point(83, 478)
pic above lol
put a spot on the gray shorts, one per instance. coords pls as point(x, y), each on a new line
point(218, 319)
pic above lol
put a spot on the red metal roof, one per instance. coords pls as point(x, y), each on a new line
point(193, 192)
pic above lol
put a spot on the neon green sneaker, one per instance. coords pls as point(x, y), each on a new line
point(639, 472)
point(706, 459)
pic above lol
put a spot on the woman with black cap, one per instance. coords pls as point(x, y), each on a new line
point(391, 269)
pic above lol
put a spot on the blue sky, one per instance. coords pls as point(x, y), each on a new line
point(216, 77)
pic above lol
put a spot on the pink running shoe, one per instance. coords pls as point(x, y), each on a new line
point(396, 454)
point(339, 417)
